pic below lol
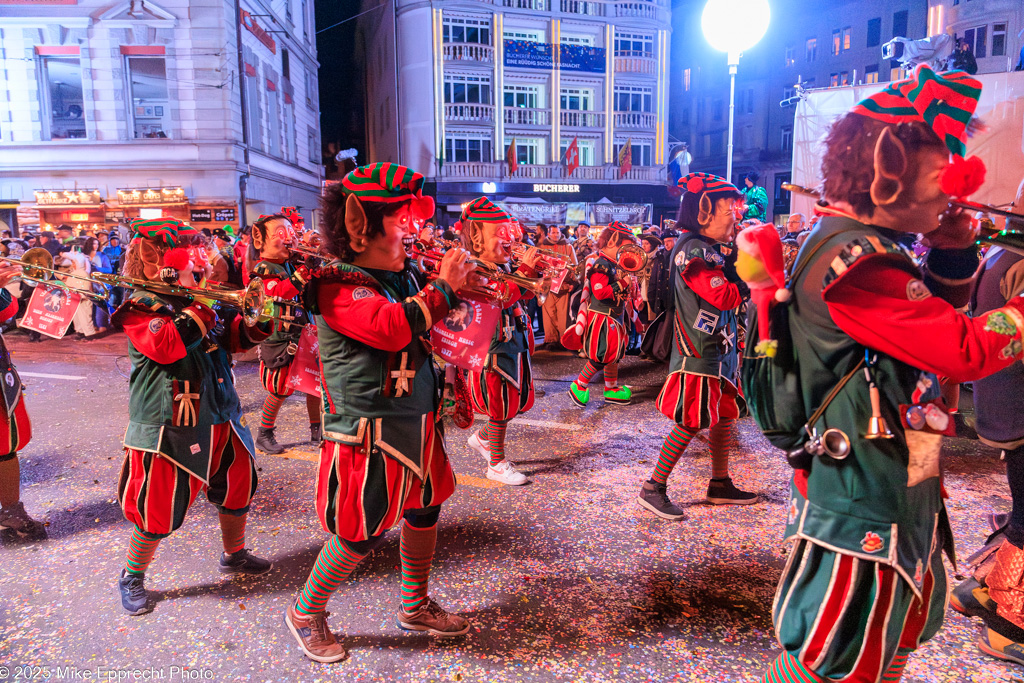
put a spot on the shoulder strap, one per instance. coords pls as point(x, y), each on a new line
point(802, 260)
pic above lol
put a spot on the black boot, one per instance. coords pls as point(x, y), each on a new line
point(267, 442)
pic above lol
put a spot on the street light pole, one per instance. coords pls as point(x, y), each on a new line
point(734, 62)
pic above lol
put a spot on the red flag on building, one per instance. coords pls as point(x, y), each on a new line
point(626, 158)
point(572, 157)
point(510, 157)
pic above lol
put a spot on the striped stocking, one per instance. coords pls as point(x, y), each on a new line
point(611, 375)
point(333, 565)
point(417, 551)
point(788, 669)
point(496, 438)
point(671, 451)
point(271, 407)
point(141, 549)
point(723, 437)
point(896, 666)
point(232, 532)
point(589, 370)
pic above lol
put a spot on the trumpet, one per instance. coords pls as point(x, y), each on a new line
point(313, 246)
point(631, 258)
point(1011, 240)
point(429, 260)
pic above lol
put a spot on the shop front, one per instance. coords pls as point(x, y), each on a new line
point(81, 209)
point(172, 202)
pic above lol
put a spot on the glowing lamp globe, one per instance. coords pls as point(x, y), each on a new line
point(733, 26)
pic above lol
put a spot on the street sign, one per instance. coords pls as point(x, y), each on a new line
point(224, 215)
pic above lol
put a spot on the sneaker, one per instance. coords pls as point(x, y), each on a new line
point(995, 645)
point(723, 492)
point(316, 433)
point(620, 395)
point(17, 520)
point(244, 562)
point(506, 473)
point(654, 497)
point(969, 599)
point(477, 444)
point(315, 639)
point(432, 618)
point(579, 396)
point(267, 442)
point(134, 598)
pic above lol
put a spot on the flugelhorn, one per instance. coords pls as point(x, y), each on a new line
point(313, 246)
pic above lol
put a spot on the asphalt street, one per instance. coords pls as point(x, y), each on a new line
point(564, 579)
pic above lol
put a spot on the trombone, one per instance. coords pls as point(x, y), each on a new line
point(37, 268)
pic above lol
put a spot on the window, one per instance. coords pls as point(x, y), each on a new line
point(64, 98)
point(896, 73)
point(587, 152)
point(787, 138)
point(577, 40)
point(522, 96)
point(871, 73)
point(998, 40)
point(811, 48)
point(289, 133)
point(313, 145)
point(836, 42)
point(976, 38)
point(274, 116)
point(874, 32)
point(844, 78)
point(528, 150)
point(254, 111)
point(150, 108)
point(471, 89)
point(285, 64)
point(523, 34)
point(459, 30)
point(788, 93)
point(846, 39)
point(633, 98)
point(577, 99)
point(899, 24)
point(780, 203)
point(463, 147)
point(833, 80)
point(716, 110)
point(686, 80)
point(634, 45)
point(790, 56)
point(639, 150)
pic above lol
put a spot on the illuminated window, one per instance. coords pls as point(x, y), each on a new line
point(844, 78)
point(846, 39)
point(871, 74)
point(686, 80)
point(811, 47)
point(833, 80)
point(634, 45)
point(150, 108)
point(64, 98)
point(461, 30)
point(836, 41)
point(790, 56)
point(587, 154)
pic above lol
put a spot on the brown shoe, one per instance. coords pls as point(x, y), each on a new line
point(315, 639)
point(432, 618)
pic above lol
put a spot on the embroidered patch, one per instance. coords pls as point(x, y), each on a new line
point(717, 281)
point(872, 542)
point(917, 291)
point(1000, 323)
point(361, 293)
point(713, 257)
point(156, 324)
point(705, 322)
point(680, 260)
point(1011, 350)
point(793, 511)
point(195, 448)
point(598, 286)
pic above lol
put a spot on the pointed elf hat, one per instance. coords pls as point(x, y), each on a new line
point(159, 229)
point(483, 209)
point(945, 102)
point(385, 182)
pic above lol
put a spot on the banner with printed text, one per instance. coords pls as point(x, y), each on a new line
point(464, 336)
point(51, 310)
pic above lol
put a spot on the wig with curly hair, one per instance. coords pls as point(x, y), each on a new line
point(848, 166)
point(335, 234)
point(610, 237)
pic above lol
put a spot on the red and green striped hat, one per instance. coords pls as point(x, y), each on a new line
point(387, 183)
point(160, 229)
point(483, 209)
point(620, 227)
point(944, 101)
point(706, 182)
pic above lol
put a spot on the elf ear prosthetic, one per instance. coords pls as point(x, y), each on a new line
point(890, 160)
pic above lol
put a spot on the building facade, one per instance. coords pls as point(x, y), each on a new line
point(819, 45)
point(183, 108)
point(994, 30)
point(452, 83)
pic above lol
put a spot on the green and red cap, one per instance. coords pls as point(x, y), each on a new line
point(621, 228)
point(483, 209)
point(699, 182)
point(389, 183)
point(160, 229)
point(945, 102)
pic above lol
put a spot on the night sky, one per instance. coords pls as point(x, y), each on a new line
point(341, 90)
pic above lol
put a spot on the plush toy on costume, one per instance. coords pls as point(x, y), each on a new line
point(759, 263)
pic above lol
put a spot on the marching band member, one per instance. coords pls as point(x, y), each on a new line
point(503, 387)
point(865, 585)
point(15, 427)
point(700, 391)
point(383, 457)
point(605, 336)
point(185, 432)
point(270, 249)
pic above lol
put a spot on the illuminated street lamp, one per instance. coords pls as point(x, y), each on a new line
point(733, 26)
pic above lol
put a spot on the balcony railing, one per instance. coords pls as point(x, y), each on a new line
point(535, 5)
point(520, 116)
point(587, 7)
point(468, 52)
point(482, 113)
point(635, 119)
point(644, 9)
point(604, 174)
point(581, 119)
point(637, 63)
